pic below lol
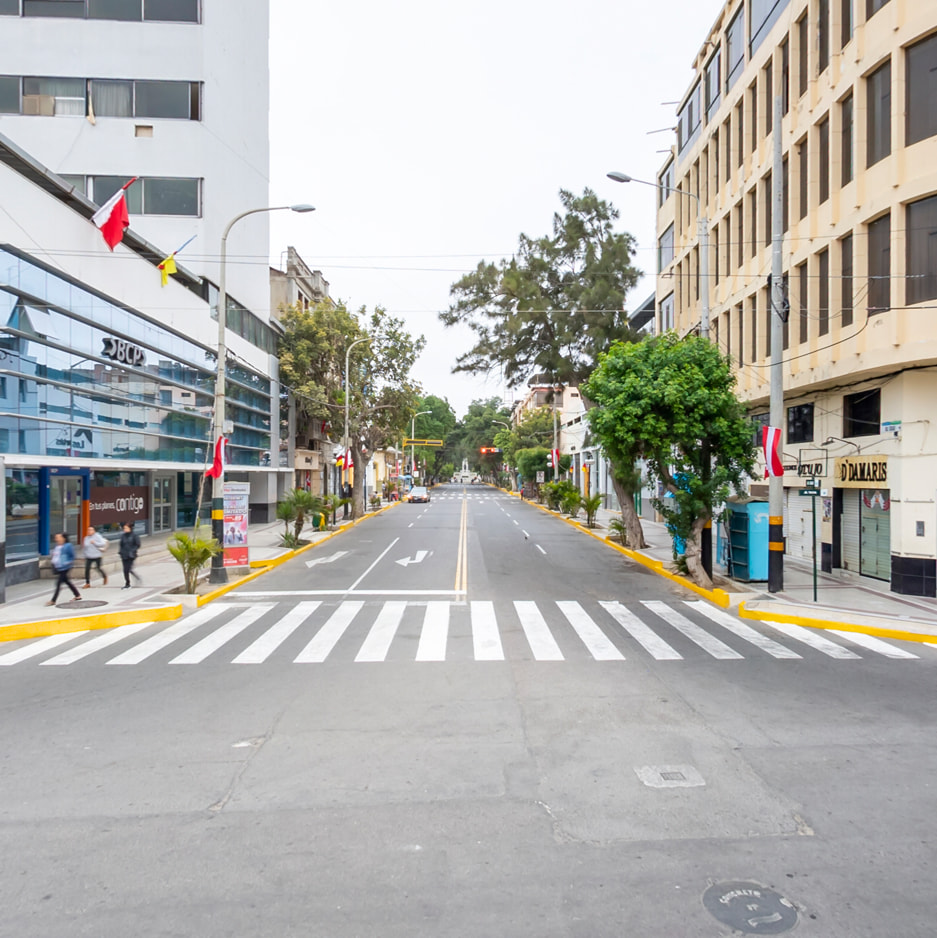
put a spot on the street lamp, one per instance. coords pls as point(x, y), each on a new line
point(218, 573)
point(702, 230)
point(347, 402)
point(412, 434)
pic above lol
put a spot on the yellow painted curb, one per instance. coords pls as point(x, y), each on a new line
point(811, 623)
point(103, 620)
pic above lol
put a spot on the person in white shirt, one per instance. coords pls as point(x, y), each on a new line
point(93, 547)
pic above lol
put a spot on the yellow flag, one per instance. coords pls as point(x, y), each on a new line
point(167, 267)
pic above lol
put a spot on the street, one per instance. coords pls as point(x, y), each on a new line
point(465, 718)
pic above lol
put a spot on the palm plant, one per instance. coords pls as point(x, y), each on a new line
point(591, 504)
point(571, 502)
point(193, 552)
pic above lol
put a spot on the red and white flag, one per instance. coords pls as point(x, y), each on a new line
point(345, 461)
point(112, 217)
point(770, 440)
point(218, 466)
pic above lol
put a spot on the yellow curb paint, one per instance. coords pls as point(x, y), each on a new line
point(811, 623)
point(103, 620)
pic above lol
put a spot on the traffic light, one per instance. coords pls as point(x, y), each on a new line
point(484, 450)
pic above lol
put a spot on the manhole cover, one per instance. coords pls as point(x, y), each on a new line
point(669, 776)
point(750, 908)
point(81, 604)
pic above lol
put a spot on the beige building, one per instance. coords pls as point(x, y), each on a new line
point(858, 82)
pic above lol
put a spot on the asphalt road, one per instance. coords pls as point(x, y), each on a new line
point(465, 719)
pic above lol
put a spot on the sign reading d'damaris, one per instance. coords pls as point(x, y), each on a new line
point(861, 472)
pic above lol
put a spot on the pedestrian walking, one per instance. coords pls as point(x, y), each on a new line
point(63, 559)
point(93, 547)
point(128, 548)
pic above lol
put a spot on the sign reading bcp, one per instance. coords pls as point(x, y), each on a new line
point(122, 351)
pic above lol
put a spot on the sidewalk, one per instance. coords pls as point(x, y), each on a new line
point(843, 598)
point(159, 573)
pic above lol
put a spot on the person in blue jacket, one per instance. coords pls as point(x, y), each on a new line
point(63, 559)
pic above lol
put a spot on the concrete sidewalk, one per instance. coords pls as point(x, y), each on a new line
point(843, 598)
point(146, 600)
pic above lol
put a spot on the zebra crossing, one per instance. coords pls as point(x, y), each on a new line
point(360, 631)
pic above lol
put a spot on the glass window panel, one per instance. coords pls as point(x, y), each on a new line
point(713, 84)
point(176, 11)
point(10, 6)
point(105, 186)
point(115, 9)
point(878, 91)
point(665, 249)
point(823, 274)
point(922, 250)
point(54, 96)
point(162, 99)
point(764, 14)
point(170, 196)
point(735, 48)
point(79, 182)
point(846, 279)
point(823, 35)
point(921, 119)
point(823, 139)
point(872, 7)
point(846, 148)
point(880, 265)
point(847, 23)
point(54, 8)
point(9, 94)
point(112, 98)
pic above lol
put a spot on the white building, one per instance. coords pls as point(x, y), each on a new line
point(175, 92)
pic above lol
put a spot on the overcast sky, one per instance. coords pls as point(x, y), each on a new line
point(429, 134)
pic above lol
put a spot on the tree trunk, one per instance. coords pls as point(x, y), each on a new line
point(634, 533)
point(694, 559)
point(357, 486)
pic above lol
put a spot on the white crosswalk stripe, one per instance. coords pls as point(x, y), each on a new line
point(382, 630)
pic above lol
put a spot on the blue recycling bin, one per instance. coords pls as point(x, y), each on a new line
point(746, 539)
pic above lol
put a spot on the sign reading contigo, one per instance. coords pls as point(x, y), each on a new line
point(114, 504)
point(861, 472)
point(122, 351)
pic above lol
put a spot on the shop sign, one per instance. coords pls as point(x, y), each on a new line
point(804, 469)
point(114, 504)
point(122, 351)
point(236, 512)
point(861, 472)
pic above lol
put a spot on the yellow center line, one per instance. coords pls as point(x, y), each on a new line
point(461, 567)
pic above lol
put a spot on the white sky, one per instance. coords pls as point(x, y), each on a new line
point(429, 134)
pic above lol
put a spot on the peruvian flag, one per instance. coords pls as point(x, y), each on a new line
point(218, 466)
point(112, 217)
point(770, 439)
point(345, 461)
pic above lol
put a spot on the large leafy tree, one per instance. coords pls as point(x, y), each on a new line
point(662, 399)
point(436, 425)
point(476, 429)
point(382, 393)
point(556, 304)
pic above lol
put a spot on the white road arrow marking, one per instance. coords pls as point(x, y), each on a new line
point(336, 556)
point(420, 556)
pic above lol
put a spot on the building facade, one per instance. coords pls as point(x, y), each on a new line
point(857, 80)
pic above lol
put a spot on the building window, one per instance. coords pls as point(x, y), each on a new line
point(715, 252)
point(688, 120)
point(785, 76)
point(115, 9)
point(878, 131)
point(922, 250)
point(740, 233)
point(753, 108)
point(54, 8)
point(872, 7)
point(54, 97)
point(155, 99)
point(803, 169)
point(862, 413)
point(171, 11)
point(151, 195)
point(880, 265)
point(785, 194)
point(10, 7)
point(921, 119)
point(740, 134)
point(800, 423)
point(735, 48)
point(769, 98)
point(665, 181)
point(753, 301)
point(846, 141)
point(823, 278)
point(845, 255)
point(759, 422)
point(846, 21)
point(803, 68)
point(823, 138)
point(714, 149)
point(769, 208)
point(764, 14)
point(666, 313)
point(713, 84)
point(728, 333)
point(740, 316)
point(665, 249)
point(753, 209)
point(804, 300)
point(9, 94)
point(823, 35)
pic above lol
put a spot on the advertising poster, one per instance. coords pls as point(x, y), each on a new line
point(236, 510)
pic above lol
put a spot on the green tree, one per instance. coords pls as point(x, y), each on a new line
point(476, 429)
point(436, 425)
point(661, 398)
point(556, 305)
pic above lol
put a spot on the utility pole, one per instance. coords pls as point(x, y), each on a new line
point(706, 535)
point(776, 415)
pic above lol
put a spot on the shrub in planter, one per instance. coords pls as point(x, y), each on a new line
point(193, 552)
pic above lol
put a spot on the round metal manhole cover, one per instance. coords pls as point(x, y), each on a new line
point(750, 908)
point(82, 604)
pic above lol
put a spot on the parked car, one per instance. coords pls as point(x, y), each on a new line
point(419, 493)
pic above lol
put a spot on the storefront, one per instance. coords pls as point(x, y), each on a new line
point(861, 526)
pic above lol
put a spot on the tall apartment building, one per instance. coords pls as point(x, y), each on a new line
point(858, 83)
point(107, 377)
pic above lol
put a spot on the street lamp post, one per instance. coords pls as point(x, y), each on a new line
point(218, 573)
point(412, 434)
point(345, 439)
point(702, 224)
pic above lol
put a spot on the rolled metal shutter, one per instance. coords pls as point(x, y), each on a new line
point(849, 530)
